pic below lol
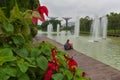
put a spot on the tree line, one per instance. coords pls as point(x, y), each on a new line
point(113, 26)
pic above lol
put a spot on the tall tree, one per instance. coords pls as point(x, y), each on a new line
point(114, 23)
point(85, 24)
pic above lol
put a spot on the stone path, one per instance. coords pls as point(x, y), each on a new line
point(96, 70)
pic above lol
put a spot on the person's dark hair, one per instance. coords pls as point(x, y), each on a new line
point(68, 40)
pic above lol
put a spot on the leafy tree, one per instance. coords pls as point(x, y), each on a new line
point(54, 23)
point(85, 24)
point(114, 23)
point(44, 25)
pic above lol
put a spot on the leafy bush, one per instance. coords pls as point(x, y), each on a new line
point(21, 60)
point(22, 64)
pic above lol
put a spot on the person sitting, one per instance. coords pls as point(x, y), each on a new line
point(68, 45)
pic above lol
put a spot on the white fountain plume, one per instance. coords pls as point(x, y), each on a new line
point(49, 30)
point(77, 27)
point(104, 23)
point(95, 29)
point(58, 29)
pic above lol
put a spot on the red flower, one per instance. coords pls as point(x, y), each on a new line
point(72, 64)
point(42, 10)
point(67, 58)
point(53, 52)
point(51, 67)
point(34, 20)
point(48, 75)
point(83, 74)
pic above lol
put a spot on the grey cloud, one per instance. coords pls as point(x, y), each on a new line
point(81, 7)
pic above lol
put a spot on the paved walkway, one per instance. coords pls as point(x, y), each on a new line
point(96, 70)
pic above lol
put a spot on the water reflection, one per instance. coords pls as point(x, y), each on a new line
point(106, 51)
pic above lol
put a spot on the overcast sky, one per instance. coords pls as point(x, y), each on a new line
point(72, 8)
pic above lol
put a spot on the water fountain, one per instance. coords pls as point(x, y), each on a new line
point(95, 30)
point(77, 27)
point(104, 22)
point(58, 28)
point(49, 29)
point(99, 29)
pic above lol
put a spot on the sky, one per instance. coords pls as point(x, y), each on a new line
point(81, 8)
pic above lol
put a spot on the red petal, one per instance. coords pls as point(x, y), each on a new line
point(42, 18)
point(83, 74)
point(45, 10)
point(72, 63)
point(53, 55)
point(67, 58)
point(57, 66)
point(48, 75)
point(53, 66)
point(42, 10)
point(49, 65)
point(34, 20)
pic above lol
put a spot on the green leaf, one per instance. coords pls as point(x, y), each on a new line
point(31, 61)
point(3, 75)
point(6, 72)
point(2, 16)
point(35, 52)
point(18, 39)
point(8, 27)
point(42, 62)
point(27, 16)
point(29, 46)
point(68, 74)
point(46, 50)
point(6, 52)
point(78, 72)
point(62, 53)
point(11, 71)
point(6, 55)
point(62, 60)
point(77, 78)
point(22, 52)
point(24, 77)
point(22, 65)
point(15, 13)
point(57, 76)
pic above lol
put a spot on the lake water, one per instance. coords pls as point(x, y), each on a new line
point(106, 51)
